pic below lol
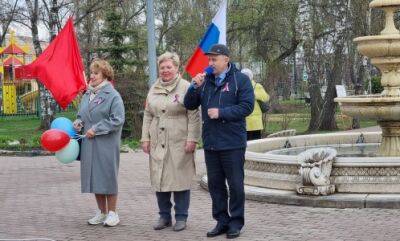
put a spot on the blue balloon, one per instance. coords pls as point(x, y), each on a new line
point(64, 124)
point(69, 153)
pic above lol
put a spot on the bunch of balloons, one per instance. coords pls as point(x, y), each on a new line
point(60, 139)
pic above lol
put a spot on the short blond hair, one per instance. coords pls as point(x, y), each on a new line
point(169, 56)
point(104, 67)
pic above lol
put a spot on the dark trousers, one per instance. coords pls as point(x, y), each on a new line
point(253, 135)
point(181, 200)
point(227, 166)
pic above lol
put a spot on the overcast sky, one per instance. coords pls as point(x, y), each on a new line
point(21, 30)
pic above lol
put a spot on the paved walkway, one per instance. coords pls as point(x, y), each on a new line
point(40, 198)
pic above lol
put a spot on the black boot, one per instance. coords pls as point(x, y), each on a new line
point(218, 230)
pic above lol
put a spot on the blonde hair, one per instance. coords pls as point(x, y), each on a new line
point(104, 67)
point(169, 56)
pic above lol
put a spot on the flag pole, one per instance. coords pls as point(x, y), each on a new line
point(151, 37)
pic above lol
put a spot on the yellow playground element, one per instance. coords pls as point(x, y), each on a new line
point(21, 95)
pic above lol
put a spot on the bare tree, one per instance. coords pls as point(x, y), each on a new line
point(46, 100)
point(33, 15)
point(339, 13)
point(360, 19)
point(7, 15)
point(307, 33)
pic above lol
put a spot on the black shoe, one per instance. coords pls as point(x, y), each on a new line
point(218, 230)
point(232, 233)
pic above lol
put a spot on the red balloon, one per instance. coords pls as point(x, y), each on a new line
point(54, 140)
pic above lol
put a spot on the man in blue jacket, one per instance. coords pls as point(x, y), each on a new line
point(226, 97)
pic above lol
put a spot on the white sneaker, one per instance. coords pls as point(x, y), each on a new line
point(112, 219)
point(98, 218)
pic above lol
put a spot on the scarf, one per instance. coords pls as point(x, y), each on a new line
point(167, 86)
point(95, 90)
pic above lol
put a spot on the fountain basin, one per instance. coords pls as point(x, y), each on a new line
point(343, 150)
point(265, 169)
point(381, 108)
point(361, 182)
point(381, 46)
point(384, 3)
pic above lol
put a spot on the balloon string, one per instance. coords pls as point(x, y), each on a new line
point(79, 137)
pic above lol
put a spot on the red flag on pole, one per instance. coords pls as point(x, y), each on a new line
point(59, 68)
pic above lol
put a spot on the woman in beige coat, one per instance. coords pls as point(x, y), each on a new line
point(169, 135)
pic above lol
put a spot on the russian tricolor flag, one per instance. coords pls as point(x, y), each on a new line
point(216, 34)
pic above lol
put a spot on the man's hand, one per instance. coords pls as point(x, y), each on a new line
point(90, 133)
point(190, 146)
point(199, 79)
point(213, 113)
point(146, 147)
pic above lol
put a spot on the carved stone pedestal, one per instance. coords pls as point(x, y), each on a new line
point(316, 190)
point(315, 171)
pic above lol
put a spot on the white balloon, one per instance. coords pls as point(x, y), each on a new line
point(69, 153)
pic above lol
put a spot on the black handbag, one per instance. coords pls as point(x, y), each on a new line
point(264, 105)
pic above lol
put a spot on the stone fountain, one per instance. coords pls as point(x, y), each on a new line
point(384, 52)
point(345, 169)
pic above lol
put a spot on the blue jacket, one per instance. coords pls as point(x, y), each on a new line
point(234, 97)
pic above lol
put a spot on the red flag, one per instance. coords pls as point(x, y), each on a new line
point(59, 68)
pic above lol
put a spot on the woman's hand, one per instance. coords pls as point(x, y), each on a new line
point(190, 146)
point(146, 147)
point(90, 133)
point(78, 124)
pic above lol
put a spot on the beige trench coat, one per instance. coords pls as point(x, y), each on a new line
point(168, 125)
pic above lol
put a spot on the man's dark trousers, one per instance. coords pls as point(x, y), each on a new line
point(221, 166)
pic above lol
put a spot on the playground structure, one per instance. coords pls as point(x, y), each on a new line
point(16, 96)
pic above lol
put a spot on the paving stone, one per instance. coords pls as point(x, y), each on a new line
point(40, 198)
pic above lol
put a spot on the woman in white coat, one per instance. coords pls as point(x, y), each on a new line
point(169, 136)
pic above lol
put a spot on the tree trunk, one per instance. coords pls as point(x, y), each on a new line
point(328, 121)
point(47, 103)
point(354, 73)
point(306, 31)
point(88, 26)
point(53, 19)
point(43, 94)
point(358, 90)
point(34, 14)
point(360, 70)
point(340, 11)
point(294, 77)
point(315, 101)
point(294, 84)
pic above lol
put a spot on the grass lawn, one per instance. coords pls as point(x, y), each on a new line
point(298, 121)
point(24, 129)
point(134, 144)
